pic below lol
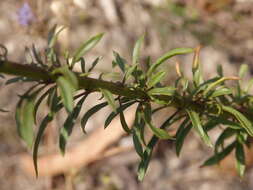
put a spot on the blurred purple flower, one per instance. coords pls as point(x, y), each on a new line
point(25, 15)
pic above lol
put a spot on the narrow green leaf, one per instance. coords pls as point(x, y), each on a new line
point(219, 156)
point(82, 62)
point(14, 80)
point(119, 61)
point(68, 74)
point(129, 71)
point(37, 56)
point(66, 130)
point(249, 85)
point(147, 154)
point(53, 35)
point(165, 57)
point(137, 144)
point(244, 68)
point(182, 132)
point(240, 159)
point(66, 92)
point(86, 46)
point(246, 124)
point(124, 123)
point(167, 91)
point(160, 133)
point(136, 51)
point(118, 110)
point(40, 132)
point(214, 121)
point(220, 92)
point(109, 98)
point(197, 77)
point(139, 124)
point(228, 132)
point(216, 83)
point(204, 85)
point(18, 79)
point(142, 169)
point(53, 99)
point(90, 112)
point(47, 119)
point(156, 78)
point(24, 115)
point(38, 102)
point(196, 123)
point(94, 63)
point(219, 70)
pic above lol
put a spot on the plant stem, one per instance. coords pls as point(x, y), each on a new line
point(87, 83)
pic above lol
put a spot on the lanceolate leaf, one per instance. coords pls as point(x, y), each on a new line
point(38, 102)
point(167, 91)
point(124, 123)
point(160, 133)
point(68, 84)
point(90, 112)
point(47, 119)
point(136, 51)
point(67, 74)
point(24, 115)
point(66, 92)
point(249, 85)
point(118, 110)
point(243, 70)
point(177, 51)
point(246, 124)
point(219, 156)
point(156, 78)
point(37, 56)
point(220, 92)
point(123, 120)
point(219, 120)
point(196, 123)
point(214, 84)
point(137, 143)
point(143, 166)
point(197, 77)
point(17, 79)
point(53, 35)
point(139, 124)
point(66, 130)
point(228, 132)
point(93, 65)
point(240, 159)
point(82, 63)
point(149, 148)
point(119, 61)
point(182, 132)
point(110, 99)
point(130, 71)
point(86, 46)
point(41, 130)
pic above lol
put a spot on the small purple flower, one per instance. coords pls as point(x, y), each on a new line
point(25, 15)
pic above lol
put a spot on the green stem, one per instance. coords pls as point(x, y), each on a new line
point(87, 83)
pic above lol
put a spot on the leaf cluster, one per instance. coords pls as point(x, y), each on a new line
point(200, 105)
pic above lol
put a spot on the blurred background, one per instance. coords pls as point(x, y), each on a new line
point(224, 28)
